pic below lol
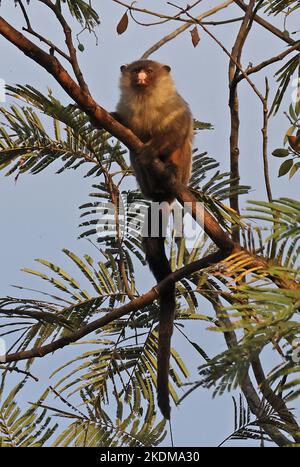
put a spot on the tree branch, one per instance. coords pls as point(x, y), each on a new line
point(266, 24)
point(234, 110)
point(265, 143)
point(117, 313)
point(184, 27)
point(69, 41)
point(270, 61)
point(31, 31)
point(99, 116)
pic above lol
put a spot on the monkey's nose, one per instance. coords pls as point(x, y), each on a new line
point(141, 77)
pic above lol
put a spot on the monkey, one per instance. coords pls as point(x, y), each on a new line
point(152, 108)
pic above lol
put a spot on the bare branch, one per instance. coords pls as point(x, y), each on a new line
point(266, 24)
point(11, 369)
point(69, 41)
point(270, 61)
point(225, 21)
point(31, 31)
point(265, 143)
point(184, 27)
point(234, 109)
point(133, 305)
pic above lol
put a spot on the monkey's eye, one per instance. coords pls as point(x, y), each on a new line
point(149, 70)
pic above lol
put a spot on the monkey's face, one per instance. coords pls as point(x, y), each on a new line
point(143, 74)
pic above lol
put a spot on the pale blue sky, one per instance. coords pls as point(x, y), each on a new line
point(39, 214)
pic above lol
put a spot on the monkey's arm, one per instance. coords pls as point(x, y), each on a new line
point(176, 129)
point(165, 159)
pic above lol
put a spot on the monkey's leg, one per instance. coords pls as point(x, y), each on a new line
point(160, 176)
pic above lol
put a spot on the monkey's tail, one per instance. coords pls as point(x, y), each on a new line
point(159, 265)
point(167, 311)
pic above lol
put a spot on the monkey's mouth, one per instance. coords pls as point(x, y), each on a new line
point(141, 84)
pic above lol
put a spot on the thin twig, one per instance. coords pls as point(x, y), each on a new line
point(265, 143)
point(266, 24)
point(69, 41)
point(266, 168)
point(188, 22)
point(7, 368)
point(31, 31)
point(225, 21)
point(270, 61)
point(183, 28)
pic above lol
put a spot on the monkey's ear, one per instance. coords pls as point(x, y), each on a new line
point(123, 68)
point(167, 68)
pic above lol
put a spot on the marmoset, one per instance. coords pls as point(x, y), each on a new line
point(152, 108)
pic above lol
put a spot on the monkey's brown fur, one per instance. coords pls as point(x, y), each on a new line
point(152, 108)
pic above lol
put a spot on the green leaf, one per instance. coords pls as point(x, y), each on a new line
point(280, 152)
point(285, 167)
